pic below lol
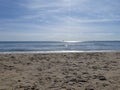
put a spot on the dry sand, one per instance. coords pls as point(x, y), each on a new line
point(60, 71)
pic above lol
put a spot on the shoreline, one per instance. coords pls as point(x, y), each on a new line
point(48, 52)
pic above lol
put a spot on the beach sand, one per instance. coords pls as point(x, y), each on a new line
point(60, 71)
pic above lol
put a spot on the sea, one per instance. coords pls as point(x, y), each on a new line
point(58, 46)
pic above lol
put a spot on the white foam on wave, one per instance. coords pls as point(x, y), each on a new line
point(47, 52)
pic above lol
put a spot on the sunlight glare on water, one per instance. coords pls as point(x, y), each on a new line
point(72, 41)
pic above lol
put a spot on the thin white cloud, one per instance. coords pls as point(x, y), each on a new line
point(59, 36)
point(77, 20)
point(92, 10)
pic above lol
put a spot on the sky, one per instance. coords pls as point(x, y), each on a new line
point(57, 20)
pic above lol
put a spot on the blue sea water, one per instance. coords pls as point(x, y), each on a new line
point(38, 46)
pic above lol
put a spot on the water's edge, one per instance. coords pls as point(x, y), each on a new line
point(47, 52)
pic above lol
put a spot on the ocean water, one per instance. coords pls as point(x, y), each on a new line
point(59, 46)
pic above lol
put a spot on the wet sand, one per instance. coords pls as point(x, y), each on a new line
point(60, 71)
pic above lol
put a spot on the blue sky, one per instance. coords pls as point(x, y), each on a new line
point(76, 20)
